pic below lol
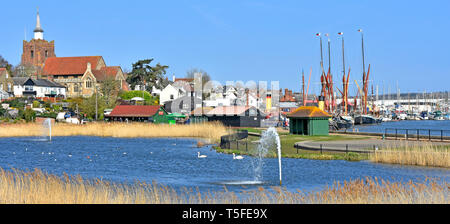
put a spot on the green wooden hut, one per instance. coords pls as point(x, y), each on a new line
point(308, 120)
point(161, 116)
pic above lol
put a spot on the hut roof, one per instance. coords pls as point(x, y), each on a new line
point(228, 110)
point(308, 111)
point(134, 111)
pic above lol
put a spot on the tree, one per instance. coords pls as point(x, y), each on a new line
point(5, 64)
point(149, 99)
point(24, 70)
point(109, 88)
point(87, 106)
point(29, 115)
point(205, 76)
point(144, 74)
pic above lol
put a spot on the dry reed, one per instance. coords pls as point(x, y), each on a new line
point(419, 155)
point(211, 130)
point(19, 187)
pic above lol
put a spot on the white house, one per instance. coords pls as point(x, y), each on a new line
point(25, 86)
point(170, 93)
point(155, 91)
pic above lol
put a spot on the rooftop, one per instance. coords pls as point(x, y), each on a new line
point(308, 111)
point(69, 65)
point(134, 111)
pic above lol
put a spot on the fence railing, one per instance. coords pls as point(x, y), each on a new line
point(418, 134)
point(226, 140)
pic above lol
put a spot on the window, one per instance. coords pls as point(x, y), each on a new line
point(46, 54)
point(32, 54)
point(89, 83)
point(75, 88)
point(171, 96)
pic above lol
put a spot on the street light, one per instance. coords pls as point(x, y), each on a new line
point(329, 52)
point(343, 52)
point(321, 54)
point(364, 71)
point(345, 89)
point(362, 47)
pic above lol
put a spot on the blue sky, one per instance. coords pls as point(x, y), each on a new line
point(405, 41)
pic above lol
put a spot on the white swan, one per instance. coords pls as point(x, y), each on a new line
point(237, 157)
point(200, 156)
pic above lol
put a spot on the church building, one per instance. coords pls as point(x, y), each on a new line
point(37, 50)
point(82, 76)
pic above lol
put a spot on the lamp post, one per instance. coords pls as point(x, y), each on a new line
point(329, 52)
point(345, 89)
point(364, 72)
point(329, 77)
point(321, 53)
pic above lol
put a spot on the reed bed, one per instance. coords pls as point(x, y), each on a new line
point(210, 130)
point(419, 155)
point(37, 187)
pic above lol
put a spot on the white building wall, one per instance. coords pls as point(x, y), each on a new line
point(166, 94)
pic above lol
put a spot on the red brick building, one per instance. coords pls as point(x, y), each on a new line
point(37, 50)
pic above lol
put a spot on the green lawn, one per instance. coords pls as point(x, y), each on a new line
point(287, 147)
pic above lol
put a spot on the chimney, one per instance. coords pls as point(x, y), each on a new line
point(173, 78)
point(89, 66)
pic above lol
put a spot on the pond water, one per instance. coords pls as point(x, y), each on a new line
point(435, 127)
point(174, 163)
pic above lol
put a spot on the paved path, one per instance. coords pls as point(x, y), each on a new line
point(367, 145)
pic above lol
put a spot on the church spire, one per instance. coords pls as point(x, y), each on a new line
point(38, 31)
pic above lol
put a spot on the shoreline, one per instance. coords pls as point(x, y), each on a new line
point(209, 131)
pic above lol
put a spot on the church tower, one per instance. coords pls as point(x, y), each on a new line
point(37, 50)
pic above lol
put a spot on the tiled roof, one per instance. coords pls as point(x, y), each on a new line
point(308, 111)
point(105, 72)
point(69, 65)
point(184, 79)
point(125, 86)
point(134, 111)
point(228, 110)
point(37, 82)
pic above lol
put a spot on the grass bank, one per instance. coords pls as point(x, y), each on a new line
point(289, 151)
point(211, 130)
point(18, 187)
